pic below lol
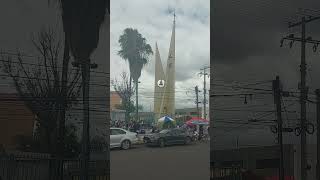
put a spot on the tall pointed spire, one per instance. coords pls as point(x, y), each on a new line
point(158, 90)
point(168, 100)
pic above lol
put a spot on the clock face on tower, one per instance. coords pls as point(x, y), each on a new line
point(161, 83)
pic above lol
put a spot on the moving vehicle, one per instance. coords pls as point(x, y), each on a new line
point(168, 137)
point(122, 138)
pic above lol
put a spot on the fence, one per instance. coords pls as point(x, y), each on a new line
point(225, 173)
point(26, 167)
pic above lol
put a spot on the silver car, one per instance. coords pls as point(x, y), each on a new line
point(122, 138)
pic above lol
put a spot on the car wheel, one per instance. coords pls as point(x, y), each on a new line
point(125, 144)
point(188, 140)
point(161, 143)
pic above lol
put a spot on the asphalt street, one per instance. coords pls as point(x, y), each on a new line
point(182, 162)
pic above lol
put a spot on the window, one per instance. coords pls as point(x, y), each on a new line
point(165, 131)
point(117, 131)
point(173, 132)
point(180, 131)
point(121, 131)
point(267, 163)
point(113, 132)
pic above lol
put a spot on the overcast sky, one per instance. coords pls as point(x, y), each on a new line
point(23, 18)
point(246, 50)
point(154, 20)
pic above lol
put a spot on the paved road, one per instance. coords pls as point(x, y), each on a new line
point(185, 162)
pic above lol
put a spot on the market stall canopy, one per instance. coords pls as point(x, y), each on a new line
point(165, 119)
point(197, 121)
point(166, 122)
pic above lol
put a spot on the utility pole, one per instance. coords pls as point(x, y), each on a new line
point(277, 101)
point(197, 100)
point(318, 134)
point(85, 151)
point(204, 73)
point(302, 85)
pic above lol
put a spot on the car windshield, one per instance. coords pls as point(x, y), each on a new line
point(164, 131)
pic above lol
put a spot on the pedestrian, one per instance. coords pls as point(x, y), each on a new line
point(200, 132)
point(205, 132)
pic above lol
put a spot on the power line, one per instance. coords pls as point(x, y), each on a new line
point(42, 65)
point(303, 88)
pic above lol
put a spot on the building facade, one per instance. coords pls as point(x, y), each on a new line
point(115, 113)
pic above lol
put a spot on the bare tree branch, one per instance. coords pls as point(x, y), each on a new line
point(40, 86)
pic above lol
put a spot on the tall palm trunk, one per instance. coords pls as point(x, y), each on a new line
point(128, 110)
point(85, 68)
point(62, 114)
point(137, 109)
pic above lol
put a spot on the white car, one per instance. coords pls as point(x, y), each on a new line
point(122, 138)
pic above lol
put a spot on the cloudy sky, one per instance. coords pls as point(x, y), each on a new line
point(23, 19)
point(246, 50)
point(154, 20)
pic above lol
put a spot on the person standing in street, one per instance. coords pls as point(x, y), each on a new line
point(200, 132)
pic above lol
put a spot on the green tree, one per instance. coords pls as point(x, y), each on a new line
point(136, 51)
point(125, 90)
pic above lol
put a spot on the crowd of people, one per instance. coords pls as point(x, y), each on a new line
point(118, 124)
point(132, 125)
point(200, 131)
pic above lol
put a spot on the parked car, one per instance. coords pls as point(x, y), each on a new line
point(122, 138)
point(168, 137)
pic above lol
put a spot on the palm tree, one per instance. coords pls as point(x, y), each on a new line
point(136, 51)
point(82, 20)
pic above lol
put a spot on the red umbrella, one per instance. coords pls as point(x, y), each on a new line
point(197, 121)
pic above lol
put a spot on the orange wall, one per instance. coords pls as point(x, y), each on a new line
point(115, 100)
point(15, 119)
